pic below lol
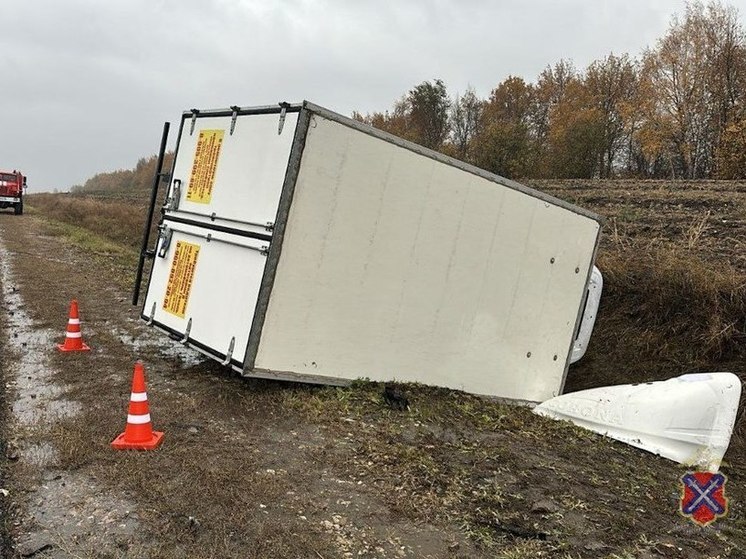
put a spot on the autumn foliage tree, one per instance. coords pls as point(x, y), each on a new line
point(549, 92)
point(730, 158)
point(689, 91)
point(610, 86)
point(574, 144)
point(465, 120)
point(428, 113)
point(504, 142)
point(677, 112)
point(421, 116)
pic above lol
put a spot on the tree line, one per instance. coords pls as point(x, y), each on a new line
point(678, 111)
point(139, 179)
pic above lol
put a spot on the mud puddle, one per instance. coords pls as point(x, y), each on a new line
point(63, 510)
point(36, 398)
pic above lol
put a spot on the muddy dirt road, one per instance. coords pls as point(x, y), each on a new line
point(263, 469)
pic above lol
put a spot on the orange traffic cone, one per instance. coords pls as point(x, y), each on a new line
point(138, 433)
point(73, 336)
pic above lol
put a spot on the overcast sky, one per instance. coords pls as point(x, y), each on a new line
point(87, 84)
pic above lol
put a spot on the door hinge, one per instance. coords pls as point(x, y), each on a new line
point(284, 109)
point(229, 355)
point(185, 338)
point(195, 112)
point(234, 116)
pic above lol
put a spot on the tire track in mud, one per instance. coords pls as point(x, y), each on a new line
point(64, 512)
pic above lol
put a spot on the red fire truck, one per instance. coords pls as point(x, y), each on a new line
point(11, 190)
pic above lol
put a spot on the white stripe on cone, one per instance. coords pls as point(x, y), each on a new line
point(138, 419)
point(74, 335)
point(139, 397)
point(74, 321)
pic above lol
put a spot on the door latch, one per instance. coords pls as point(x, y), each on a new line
point(172, 204)
point(164, 241)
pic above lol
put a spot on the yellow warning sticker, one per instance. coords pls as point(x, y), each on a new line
point(204, 166)
point(180, 278)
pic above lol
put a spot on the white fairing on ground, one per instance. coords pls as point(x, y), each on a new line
point(688, 419)
point(595, 287)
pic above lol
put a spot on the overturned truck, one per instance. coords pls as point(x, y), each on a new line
point(298, 244)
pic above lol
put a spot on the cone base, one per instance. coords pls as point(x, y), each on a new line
point(62, 347)
point(121, 444)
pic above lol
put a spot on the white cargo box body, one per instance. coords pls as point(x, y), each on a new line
point(333, 251)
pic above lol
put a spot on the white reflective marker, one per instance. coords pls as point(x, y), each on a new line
point(138, 419)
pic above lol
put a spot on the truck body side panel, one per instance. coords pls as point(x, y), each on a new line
point(397, 266)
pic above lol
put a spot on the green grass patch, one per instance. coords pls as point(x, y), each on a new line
point(104, 252)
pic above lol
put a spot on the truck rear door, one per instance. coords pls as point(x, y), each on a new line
point(217, 227)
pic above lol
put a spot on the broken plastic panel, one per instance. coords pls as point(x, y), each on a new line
point(688, 419)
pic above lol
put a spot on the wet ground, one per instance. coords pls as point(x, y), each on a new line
point(65, 508)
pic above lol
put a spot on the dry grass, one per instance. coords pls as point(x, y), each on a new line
point(671, 302)
point(117, 221)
